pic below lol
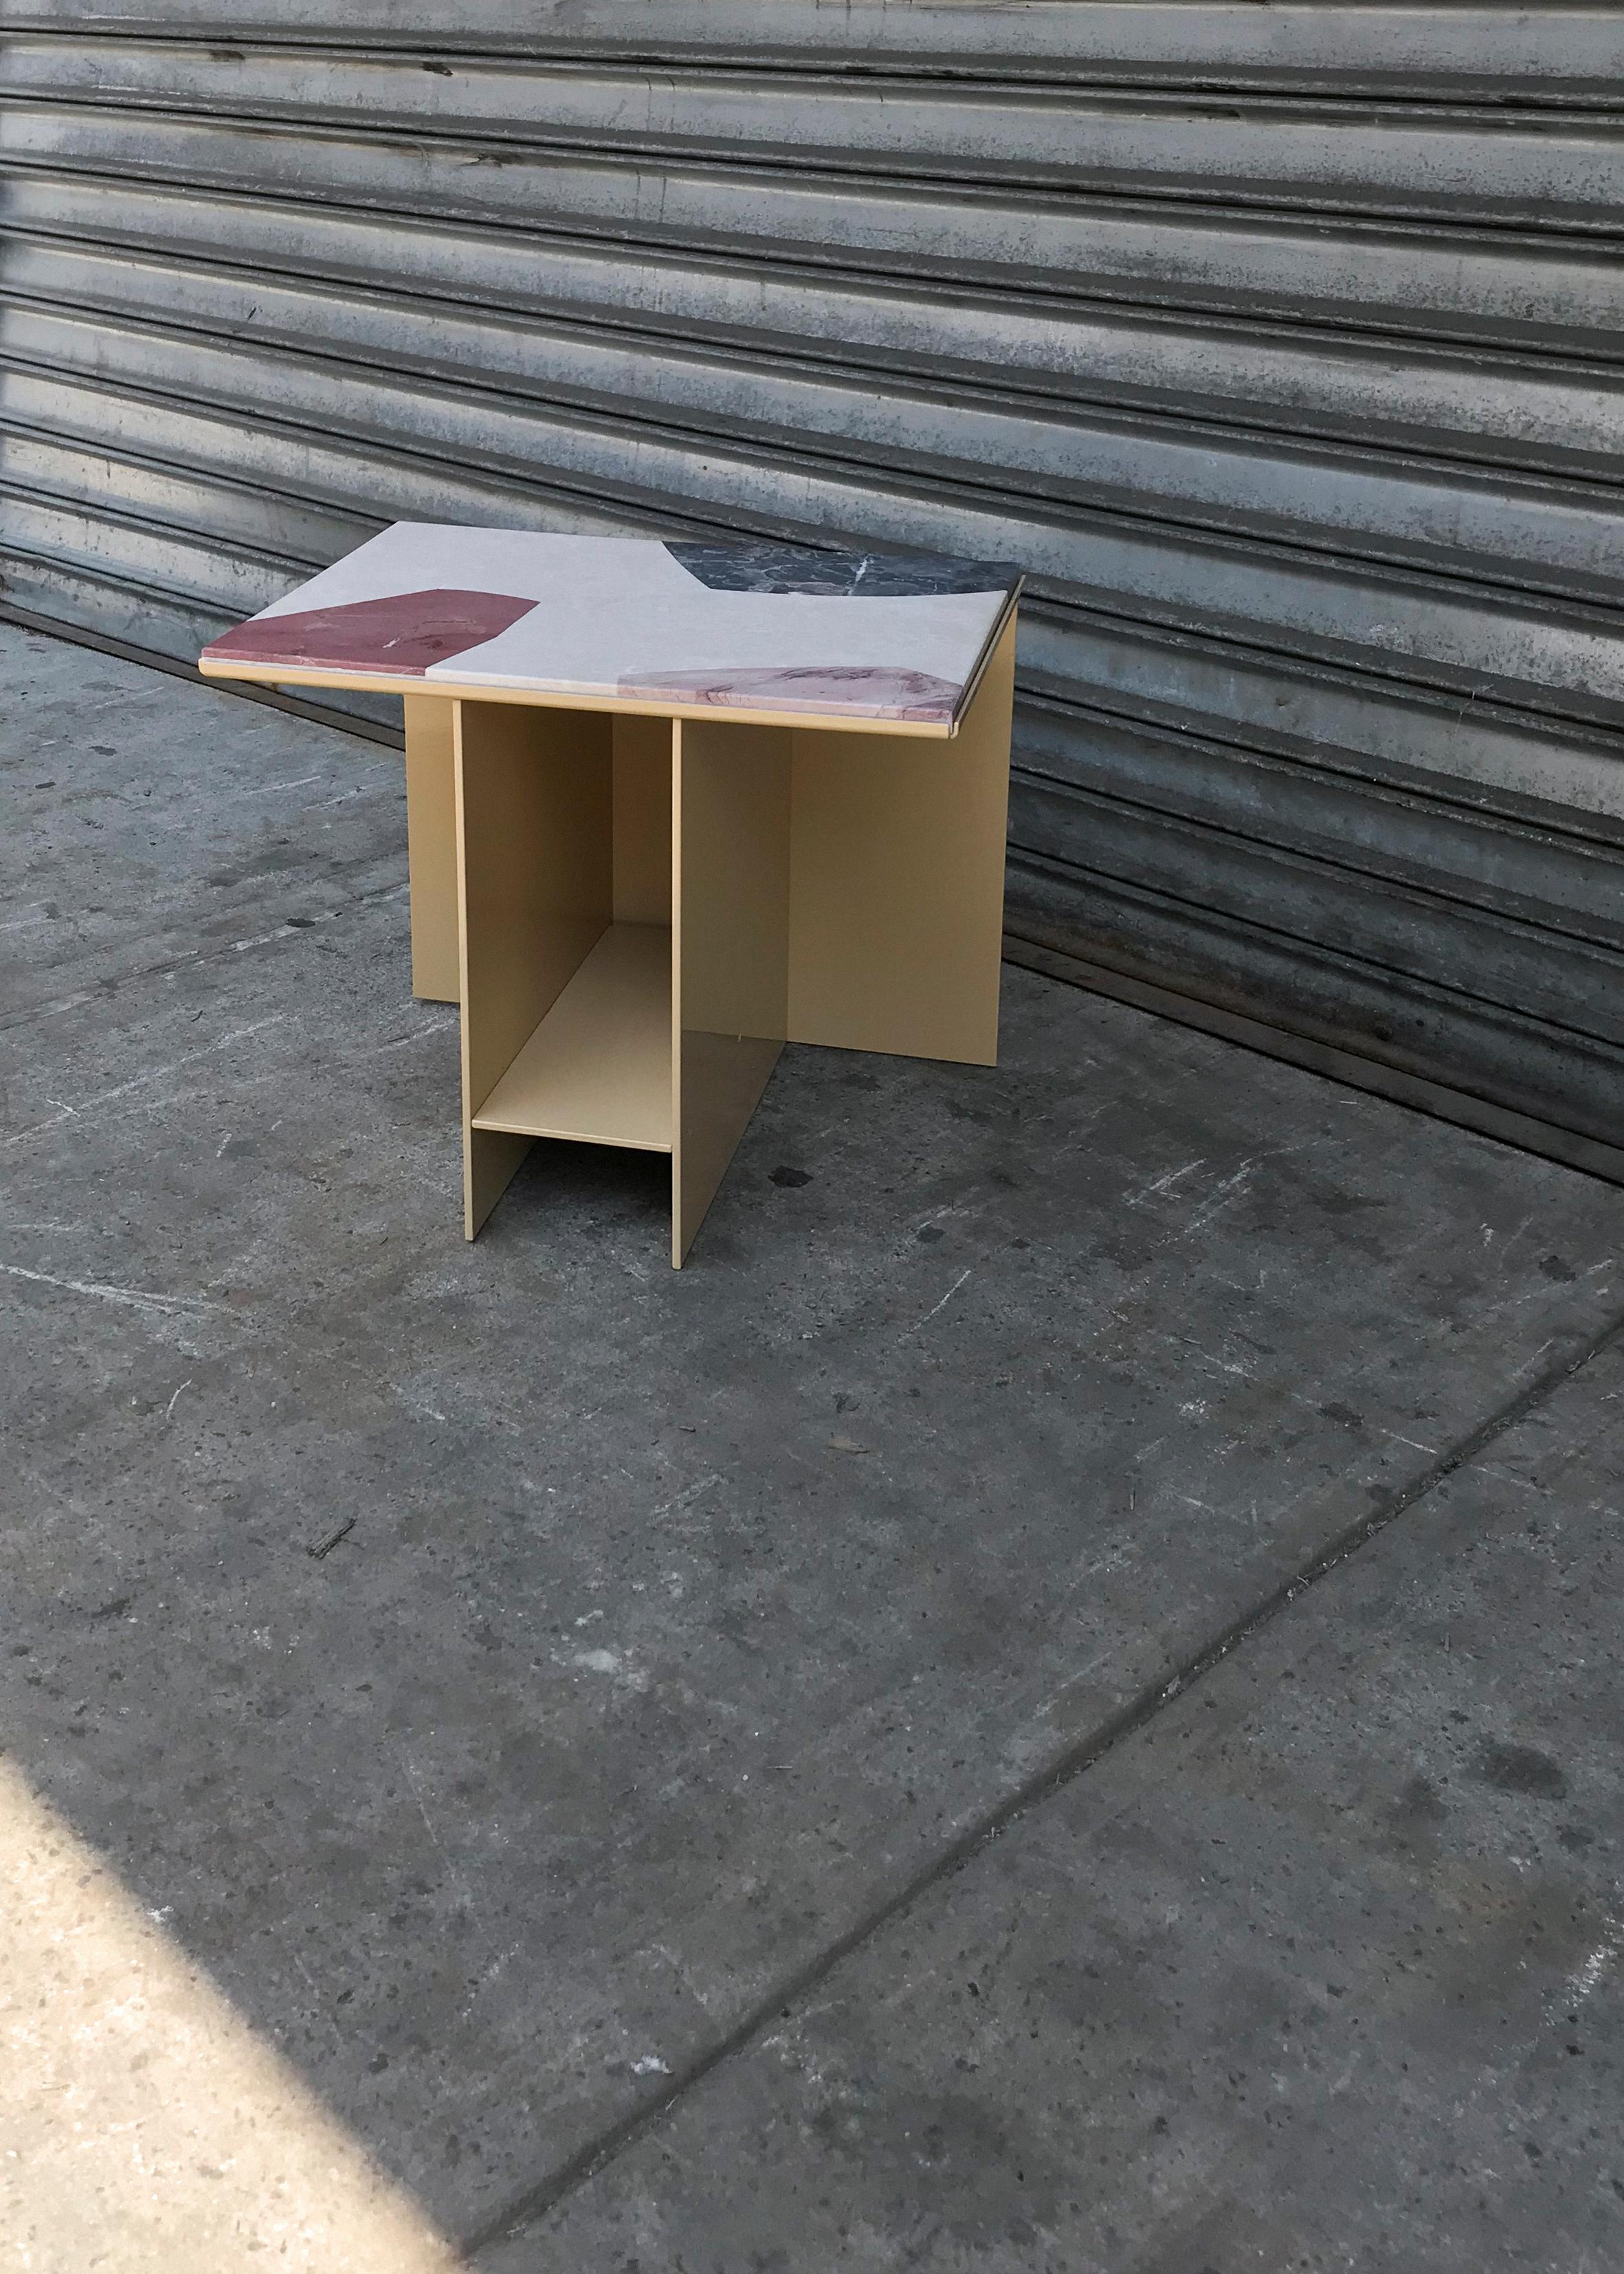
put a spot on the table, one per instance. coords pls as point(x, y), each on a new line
point(670, 805)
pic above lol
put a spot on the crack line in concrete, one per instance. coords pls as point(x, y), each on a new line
point(534, 2203)
point(195, 959)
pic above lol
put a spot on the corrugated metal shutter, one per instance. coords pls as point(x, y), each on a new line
point(1280, 342)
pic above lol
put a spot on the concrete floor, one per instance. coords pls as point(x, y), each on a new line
point(860, 1753)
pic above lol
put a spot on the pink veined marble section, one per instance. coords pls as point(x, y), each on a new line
point(847, 690)
point(404, 634)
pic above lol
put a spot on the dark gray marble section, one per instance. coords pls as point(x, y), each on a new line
point(841, 575)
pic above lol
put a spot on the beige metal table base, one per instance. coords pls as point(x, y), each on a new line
point(635, 914)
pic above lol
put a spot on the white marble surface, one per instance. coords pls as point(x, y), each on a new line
point(624, 616)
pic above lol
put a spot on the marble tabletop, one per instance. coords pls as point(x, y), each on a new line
point(761, 626)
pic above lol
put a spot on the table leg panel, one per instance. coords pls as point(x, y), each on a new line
point(730, 892)
point(431, 848)
point(896, 883)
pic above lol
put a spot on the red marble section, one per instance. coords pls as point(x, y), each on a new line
point(846, 691)
point(403, 634)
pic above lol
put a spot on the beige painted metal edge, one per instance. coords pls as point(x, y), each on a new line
point(534, 895)
point(454, 692)
point(972, 685)
point(730, 947)
point(679, 1247)
point(432, 849)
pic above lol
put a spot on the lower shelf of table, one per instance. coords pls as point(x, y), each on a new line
point(597, 1068)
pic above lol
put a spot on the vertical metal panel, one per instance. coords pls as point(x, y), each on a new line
point(1282, 344)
